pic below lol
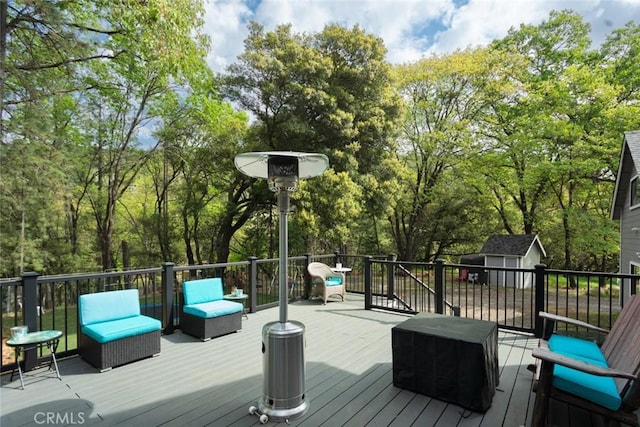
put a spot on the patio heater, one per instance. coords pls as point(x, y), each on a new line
point(282, 341)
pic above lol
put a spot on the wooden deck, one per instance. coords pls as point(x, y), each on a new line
point(194, 383)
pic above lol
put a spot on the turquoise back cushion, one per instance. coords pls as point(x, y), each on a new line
point(112, 305)
point(202, 290)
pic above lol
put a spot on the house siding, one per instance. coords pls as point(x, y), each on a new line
point(629, 239)
point(628, 169)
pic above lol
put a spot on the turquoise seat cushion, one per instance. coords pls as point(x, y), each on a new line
point(333, 281)
point(202, 290)
point(597, 389)
point(212, 309)
point(571, 346)
point(104, 306)
point(121, 328)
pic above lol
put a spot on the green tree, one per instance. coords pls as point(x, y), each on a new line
point(158, 50)
point(329, 92)
point(439, 137)
point(211, 189)
point(81, 79)
point(43, 46)
point(555, 138)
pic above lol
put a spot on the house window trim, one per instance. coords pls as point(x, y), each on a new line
point(636, 180)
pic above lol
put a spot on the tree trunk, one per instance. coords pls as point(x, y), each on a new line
point(186, 237)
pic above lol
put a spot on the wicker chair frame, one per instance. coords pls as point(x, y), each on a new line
point(105, 356)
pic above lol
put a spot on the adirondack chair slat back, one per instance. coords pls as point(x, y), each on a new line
point(621, 345)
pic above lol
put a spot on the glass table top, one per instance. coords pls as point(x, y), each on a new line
point(34, 338)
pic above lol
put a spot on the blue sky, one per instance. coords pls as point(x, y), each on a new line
point(411, 29)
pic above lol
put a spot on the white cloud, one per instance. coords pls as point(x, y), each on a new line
point(481, 21)
point(410, 28)
point(226, 25)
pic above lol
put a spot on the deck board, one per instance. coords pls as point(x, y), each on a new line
point(193, 383)
point(411, 411)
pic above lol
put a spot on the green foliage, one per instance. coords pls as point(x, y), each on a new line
point(329, 92)
point(442, 96)
point(118, 141)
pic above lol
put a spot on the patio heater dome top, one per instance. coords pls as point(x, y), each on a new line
point(282, 169)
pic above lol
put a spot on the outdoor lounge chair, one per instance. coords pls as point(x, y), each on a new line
point(112, 331)
point(205, 313)
point(325, 282)
point(604, 380)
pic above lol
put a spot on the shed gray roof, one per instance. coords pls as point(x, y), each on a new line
point(511, 244)
point(628, 167)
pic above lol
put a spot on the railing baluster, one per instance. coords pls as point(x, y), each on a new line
point(481, 298)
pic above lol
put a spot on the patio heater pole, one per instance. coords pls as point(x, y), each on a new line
point(282, 341)
point(283, 207)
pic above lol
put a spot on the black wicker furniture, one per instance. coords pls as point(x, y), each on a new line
point(112, 330)
point(205, 313)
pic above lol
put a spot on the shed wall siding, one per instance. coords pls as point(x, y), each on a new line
point(529, 262)
point(503, 278)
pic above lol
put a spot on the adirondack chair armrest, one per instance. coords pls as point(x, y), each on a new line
point(550, 320)
point(556, 358)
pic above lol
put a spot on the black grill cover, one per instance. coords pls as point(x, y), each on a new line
point(449, 358)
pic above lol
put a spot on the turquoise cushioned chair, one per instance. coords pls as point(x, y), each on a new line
point(112, 330)
point(325, 282)
point(205, 313)
point(601, 379)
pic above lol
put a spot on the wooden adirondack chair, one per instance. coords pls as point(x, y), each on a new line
point(604, 380)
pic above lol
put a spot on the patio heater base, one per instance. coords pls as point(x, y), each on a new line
point(283, 370)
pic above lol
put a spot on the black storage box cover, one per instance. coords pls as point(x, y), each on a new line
point(449, 358)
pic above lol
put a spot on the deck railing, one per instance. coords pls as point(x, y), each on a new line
point(511, 297)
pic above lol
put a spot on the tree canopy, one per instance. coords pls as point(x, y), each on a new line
point(117, 141)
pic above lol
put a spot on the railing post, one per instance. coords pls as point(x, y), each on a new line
point(439, 279)
point(167, 298)
point(307, 278)
point(253, 284)
point(367, 282)
point(391, 268)
point(539, 299)
point(29, 314)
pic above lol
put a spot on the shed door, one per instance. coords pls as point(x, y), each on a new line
point(512, 278)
